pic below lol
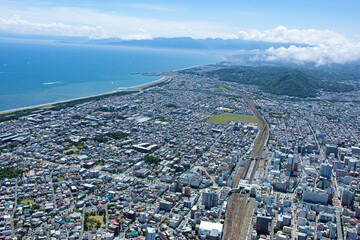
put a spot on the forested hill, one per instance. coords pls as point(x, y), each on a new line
point(283, 81)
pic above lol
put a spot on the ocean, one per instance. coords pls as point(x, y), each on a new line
point(34, 73)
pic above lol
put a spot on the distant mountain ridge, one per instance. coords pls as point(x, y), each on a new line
point(186, 43)
point(190, 43)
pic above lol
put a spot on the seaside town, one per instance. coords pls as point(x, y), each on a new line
point(190, 157)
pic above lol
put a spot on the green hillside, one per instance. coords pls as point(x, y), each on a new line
point(282, 81)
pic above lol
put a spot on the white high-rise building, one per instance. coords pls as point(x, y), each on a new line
point(210, 199)
point(326, 170)
point(150, 233)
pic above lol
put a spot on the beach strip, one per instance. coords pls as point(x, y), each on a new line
point(151, 84)
point(12, 114)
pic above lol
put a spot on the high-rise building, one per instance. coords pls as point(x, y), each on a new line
point(142, 218)
point(292, 164)
point(347, 198)
point(338, 165)
point(357, 210)
point(262, 224)
point(150, 233)
point(332, 233)
point(330, 148)
point(187, 191)
point(355, 150)
point(326, 171)
point(210, 199)
point(352, 164)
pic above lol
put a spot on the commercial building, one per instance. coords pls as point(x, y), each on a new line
point(210, 199)
point(211, 230)
point(150, 233)
point(262, 224)
point(326, 171)
point(347, 198)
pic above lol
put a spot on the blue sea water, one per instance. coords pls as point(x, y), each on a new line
point(34, 73)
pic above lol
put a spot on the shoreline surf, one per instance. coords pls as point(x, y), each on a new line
point(125, 89)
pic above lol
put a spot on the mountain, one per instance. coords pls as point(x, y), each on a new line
point(282, 81)
point(190, 43)
point(185, 43)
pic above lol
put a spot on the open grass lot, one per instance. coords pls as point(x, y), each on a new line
point(98, 218)
point(225, 118)
point(28, 201)
point(220, 88)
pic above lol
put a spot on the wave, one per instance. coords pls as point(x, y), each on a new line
point(51, 83)
point(122, 88)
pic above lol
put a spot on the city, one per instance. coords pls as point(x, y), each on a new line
point(190, 158)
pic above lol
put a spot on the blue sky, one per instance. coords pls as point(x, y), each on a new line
point(330, 27)
point(216, 18)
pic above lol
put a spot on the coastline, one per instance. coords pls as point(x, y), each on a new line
point(125, 90)
point(150, 84)
point(58, 102)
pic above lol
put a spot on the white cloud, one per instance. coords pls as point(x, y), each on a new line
point(319, 46)
point(322, 46)
point(283, 35)
point(99, 24)
point(320, 54)
point(17, 25)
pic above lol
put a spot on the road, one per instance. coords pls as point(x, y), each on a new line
point(106, 216)
point(294, 232)
point(52, 189)
point(338, 224)
point(209, 150)
point(82, 221)
point(336, 201)
point(187, 216)
point(13, 230)
point(316, 223)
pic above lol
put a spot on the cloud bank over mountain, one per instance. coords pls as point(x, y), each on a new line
point(285, 35)
point(323, 46)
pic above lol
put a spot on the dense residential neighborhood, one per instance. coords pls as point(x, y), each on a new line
point(163, 162)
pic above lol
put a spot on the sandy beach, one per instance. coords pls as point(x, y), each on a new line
point(147, 85)
point(134, 88)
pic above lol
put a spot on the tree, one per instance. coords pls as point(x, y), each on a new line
point(10, 172)
point(150, 159)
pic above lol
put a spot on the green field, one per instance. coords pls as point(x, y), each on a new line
point(225, 118)
point(220, 88)
point(275, 115)
point(28, 201)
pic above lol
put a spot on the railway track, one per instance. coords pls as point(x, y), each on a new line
point(239, 209)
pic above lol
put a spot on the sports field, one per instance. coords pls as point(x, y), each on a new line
point(225, 118)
